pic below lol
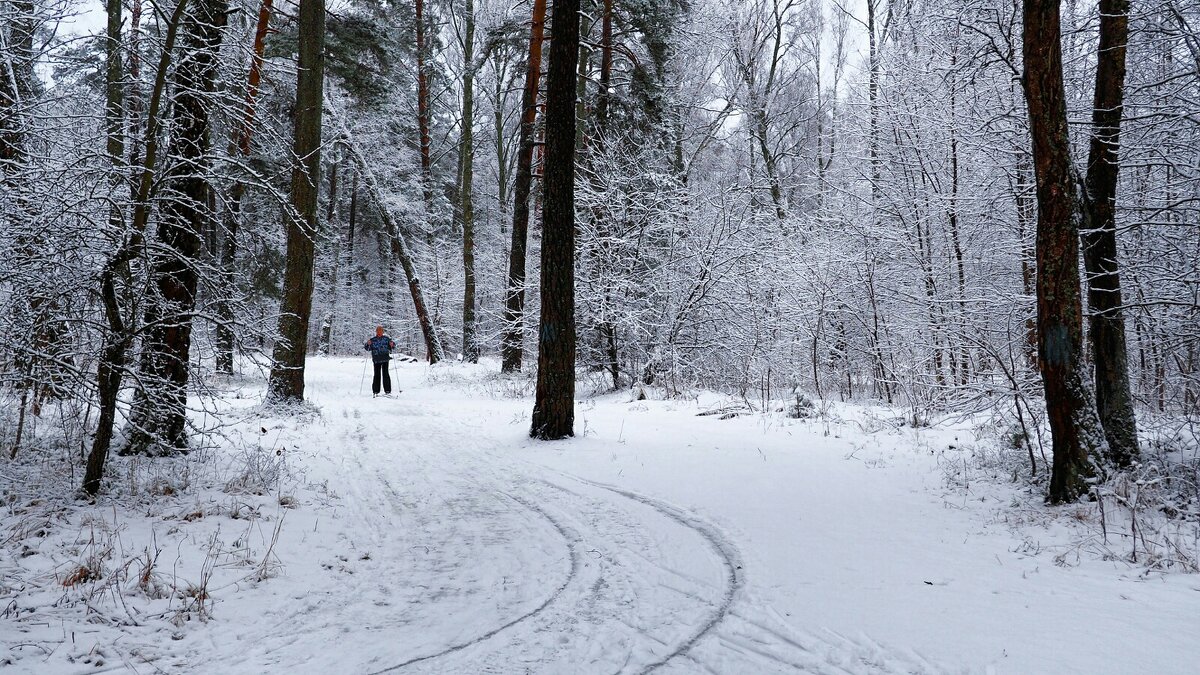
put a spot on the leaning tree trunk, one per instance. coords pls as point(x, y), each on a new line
point(1070, 405)
point(1114, 401)
point(512, 347)
point(554, 405)
point(399, 248)
point(291, 344)
point(158, 420)
point(239, 147)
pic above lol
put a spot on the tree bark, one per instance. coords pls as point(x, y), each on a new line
point(291, 346)
point(554, 405)
point(1074, 426)
point(470, 346)
point(1114, 401)
point(114, 90)
point(158, 421)
point(133, 91)
point(512, 347)
point(423, 109)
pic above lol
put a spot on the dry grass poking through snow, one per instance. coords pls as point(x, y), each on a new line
point(1147, 517)
point(117, 582)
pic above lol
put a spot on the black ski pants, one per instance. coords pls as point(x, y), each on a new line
point(381, 369)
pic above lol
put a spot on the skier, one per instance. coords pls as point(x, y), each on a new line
point(381, 347)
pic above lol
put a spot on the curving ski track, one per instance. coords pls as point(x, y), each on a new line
point(727, 553)
point(484, 562)
point(723, 547)
point(572, 546)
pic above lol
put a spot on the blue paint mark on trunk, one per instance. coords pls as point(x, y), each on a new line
point(1057, 345)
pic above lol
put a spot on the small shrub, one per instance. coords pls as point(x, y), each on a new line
point(801, 407)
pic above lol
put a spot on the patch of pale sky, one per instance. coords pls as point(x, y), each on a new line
point(89, 18)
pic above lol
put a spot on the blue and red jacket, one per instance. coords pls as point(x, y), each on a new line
point(381, 347)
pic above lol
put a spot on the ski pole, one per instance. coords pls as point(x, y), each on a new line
point(362, 379)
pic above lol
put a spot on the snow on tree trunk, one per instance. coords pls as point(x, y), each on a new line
point(1114, 401)
point(1070, 404)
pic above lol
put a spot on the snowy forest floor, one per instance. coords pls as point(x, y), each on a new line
point(426, 533)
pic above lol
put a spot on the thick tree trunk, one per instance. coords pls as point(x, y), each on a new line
point(1071, 407)
point(1114, 401)
point(512, 347)
point(470, 346)
point(108, 380)
point(40, 366)
point(291, 346)
point(157, 424)
point(554, 405)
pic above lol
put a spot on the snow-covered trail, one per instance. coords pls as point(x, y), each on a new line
point(658, 541)
point(453, 554)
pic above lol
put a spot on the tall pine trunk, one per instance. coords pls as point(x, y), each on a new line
point(423, 108)
point(554, 405)
point(1114, 401)
point(1070, 404)
point(512, 347)
point(291, 346)
point(470, 346)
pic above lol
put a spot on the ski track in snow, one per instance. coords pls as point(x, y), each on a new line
point(476, 561)
point(730, 560)
point(575, 564)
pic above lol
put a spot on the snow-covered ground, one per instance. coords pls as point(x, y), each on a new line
point(427, 533)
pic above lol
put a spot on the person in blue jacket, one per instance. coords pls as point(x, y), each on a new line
point(381, 347)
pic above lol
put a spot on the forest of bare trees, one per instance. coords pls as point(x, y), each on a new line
point(973, 209)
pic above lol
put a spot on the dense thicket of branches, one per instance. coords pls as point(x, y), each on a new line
point(769, 195)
